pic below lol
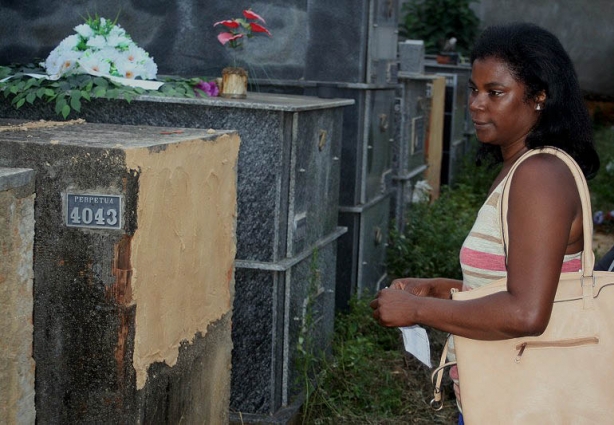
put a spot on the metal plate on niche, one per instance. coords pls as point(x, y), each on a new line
point(417, 134)
point(93, 211)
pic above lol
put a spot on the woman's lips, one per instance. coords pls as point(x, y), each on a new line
point(479, 125)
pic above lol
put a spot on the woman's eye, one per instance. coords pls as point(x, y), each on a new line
point(496, 93)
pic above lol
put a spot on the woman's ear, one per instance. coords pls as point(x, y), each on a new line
point(540, 98)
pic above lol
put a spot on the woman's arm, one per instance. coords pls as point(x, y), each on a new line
point(544, 221)
point(437, 287)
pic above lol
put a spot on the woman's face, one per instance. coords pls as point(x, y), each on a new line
point(500, 112)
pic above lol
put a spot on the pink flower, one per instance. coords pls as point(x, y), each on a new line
point(251, 15)
point(258, 28)
point(230, 23)
point(225, 37)
point(210, 88)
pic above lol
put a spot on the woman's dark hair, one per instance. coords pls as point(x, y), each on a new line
point(537, 59)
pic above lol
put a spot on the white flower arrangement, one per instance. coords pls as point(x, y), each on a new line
point(102, 48)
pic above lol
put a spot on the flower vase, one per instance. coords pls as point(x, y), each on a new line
point(234, 83)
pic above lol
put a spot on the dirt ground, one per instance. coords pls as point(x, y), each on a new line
point(602, 242)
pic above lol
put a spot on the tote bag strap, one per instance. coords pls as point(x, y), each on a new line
point(588, 257)
point(437, 377)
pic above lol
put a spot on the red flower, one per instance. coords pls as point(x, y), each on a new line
point(258, 28)
point(225, 37)
point(228, 23)
point(251, 15)
point(239, 28)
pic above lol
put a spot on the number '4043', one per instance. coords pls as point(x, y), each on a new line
point(89, 216)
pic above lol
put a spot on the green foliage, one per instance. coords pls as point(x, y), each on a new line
point(430, 244)
point(69, 93)
point(309, 356)
point(370, 380)
point(602, 195)
point(436, 21)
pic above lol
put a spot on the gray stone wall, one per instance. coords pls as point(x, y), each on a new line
point(16, 296)
point(584, 28)
point(178, 34)
point(181, 38)
point(311, 39)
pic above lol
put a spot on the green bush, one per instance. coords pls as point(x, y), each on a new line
point(436, 21)
point(431, 242)
point(601, 187)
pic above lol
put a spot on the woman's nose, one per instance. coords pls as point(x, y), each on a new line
point(476, 102)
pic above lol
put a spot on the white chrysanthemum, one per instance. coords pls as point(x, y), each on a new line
point(97, 42)
point(111, 54)
point(53, 63)
point(96, 62)
point(110, 51)
point(116, 40)
point(118, 31)
point(150, 69)
point(136, 54)
point(69, 43)
point(66, 63)
point(84, 30)
point(126, 68)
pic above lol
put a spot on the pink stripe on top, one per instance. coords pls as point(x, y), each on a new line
point(493, 262)
point(572, 265)
point(482, 260)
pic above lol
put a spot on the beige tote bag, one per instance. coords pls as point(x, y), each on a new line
point(565, 375)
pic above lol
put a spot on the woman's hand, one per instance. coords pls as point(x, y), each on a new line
point(398, 304)
point(394, 307)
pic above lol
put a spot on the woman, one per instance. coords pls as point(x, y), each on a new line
point(524, 95)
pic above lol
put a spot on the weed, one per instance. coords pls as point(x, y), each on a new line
point(601, 187)
point(370, 380)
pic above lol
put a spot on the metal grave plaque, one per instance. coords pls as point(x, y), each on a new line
point(93, 211)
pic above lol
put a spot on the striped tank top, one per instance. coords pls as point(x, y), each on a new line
point(482, 256)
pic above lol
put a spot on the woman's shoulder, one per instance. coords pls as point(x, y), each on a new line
point(542, 176)
point(544, 167)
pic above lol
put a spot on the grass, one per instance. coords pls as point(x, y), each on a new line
point(370, 379)
point(602, 187)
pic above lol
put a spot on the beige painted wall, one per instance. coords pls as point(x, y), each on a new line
point(183, 251)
